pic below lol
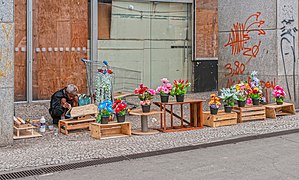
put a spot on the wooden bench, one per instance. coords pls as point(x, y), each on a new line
point(250, 113)
point(220, 119)
point(111, 130)
point(65, 126)
point(274, 110)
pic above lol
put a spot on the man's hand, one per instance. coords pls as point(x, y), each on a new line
point(65, 104)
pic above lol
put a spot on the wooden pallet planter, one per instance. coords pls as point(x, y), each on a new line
point(274, 110)
point(111, 130)
point(25, 132)
point(65, 126)
point(250, 113)
point(220, 119)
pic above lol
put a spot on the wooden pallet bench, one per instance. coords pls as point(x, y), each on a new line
point(24, 132)
point(274, 110)
point(220, 119)
point(250, 113)
point(65, 126)
point(111, 130)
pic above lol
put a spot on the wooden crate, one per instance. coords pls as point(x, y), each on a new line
point(220, 119)
point(25, 132)
point(250, 113)
point(65, 126)
point(274, 110)
point(111, 130)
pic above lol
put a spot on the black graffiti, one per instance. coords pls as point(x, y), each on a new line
point(287, 48)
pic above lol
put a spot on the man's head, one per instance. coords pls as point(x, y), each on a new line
point(71, 91)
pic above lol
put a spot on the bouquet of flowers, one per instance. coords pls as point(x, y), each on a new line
point(255, 92)
point(144, 94)
point(180, 87)
point(214, 102)
point(165, 88)
point(120, 108)
point(228, 95)
point(279, 94)
point(242, 91)
point(105, 111)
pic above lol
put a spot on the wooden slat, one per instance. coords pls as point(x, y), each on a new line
point(225, 123)
point(138, 112)
point(253, 113)
point(110, 136)
point(84, 110)
point(249, 118)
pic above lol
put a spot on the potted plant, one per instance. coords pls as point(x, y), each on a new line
point(120, 109)
point(164, 90)
point(241, 93)
point(105, 111)
point(255, 92)
point(279, 95)
point(179, 89)
point(228, 95)
point(145, 95)
point(214, 104)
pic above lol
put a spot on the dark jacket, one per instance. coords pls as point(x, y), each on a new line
point(56, 110)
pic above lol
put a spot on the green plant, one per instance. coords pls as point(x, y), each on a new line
point(180, 87)
point(228, 95)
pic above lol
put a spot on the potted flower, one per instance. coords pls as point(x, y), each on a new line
point(120, 109)
point(145, 95)
point(279, 95)
point(228, 95)
point(241, 93)
point(164, 90)
point(179, 89)
point(105, 111)
point(214, 104)
point(255, 92)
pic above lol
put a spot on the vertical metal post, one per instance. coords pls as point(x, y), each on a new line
point(29, 50)
point(93, 40)
point(144, 124)
point(193, 24)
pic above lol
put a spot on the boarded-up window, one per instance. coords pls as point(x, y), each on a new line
point(206, 28)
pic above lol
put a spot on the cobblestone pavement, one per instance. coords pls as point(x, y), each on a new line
point(78, 146)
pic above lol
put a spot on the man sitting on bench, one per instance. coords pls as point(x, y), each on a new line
point(62, 101)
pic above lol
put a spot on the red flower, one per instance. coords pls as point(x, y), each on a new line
point(110, 71)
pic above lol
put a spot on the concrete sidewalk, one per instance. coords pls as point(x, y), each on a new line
point(273, 158)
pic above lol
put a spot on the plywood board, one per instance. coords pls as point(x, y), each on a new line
point(206, 28)
point(59, 24)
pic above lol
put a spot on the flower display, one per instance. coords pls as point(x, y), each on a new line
point(180, 87)
point(242, 91)
point(255, 91)
point(144, 94)
point(228, 95)
point(279, 93)
point(120, 107)
point(214, 102)
point(165, 88)
point(103, 83)
point(105, 109)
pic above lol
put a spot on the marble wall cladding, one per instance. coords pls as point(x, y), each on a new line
point(6, 72)
point(6, 11)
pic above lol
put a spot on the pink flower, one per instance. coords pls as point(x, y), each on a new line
point(165, 80)
point(136, 91)
point(249, 101)
point(158, 89)
point(152, 92)
point(169, 86)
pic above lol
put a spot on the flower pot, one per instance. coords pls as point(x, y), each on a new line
point(146, 108)
point(104, 119)
point(120, 118)
point(164, 98)
point(279, 103)
point(241, 103)
point(228, 109)
point(213, 110)
point(255, 101)
point(179, 98)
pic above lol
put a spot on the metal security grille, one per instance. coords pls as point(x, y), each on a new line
point(52, 169)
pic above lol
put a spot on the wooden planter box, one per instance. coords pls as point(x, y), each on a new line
point(111, 130)
point(25, 132)
point(220, 119)
point(250, 113)
point(65, 126)
point(274, 110)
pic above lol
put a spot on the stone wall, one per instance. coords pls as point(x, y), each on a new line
point(250, 36)
point(6, 71)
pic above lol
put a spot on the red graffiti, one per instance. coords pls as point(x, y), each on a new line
point(239, 36)
point(265, 84)
point(237, 69)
